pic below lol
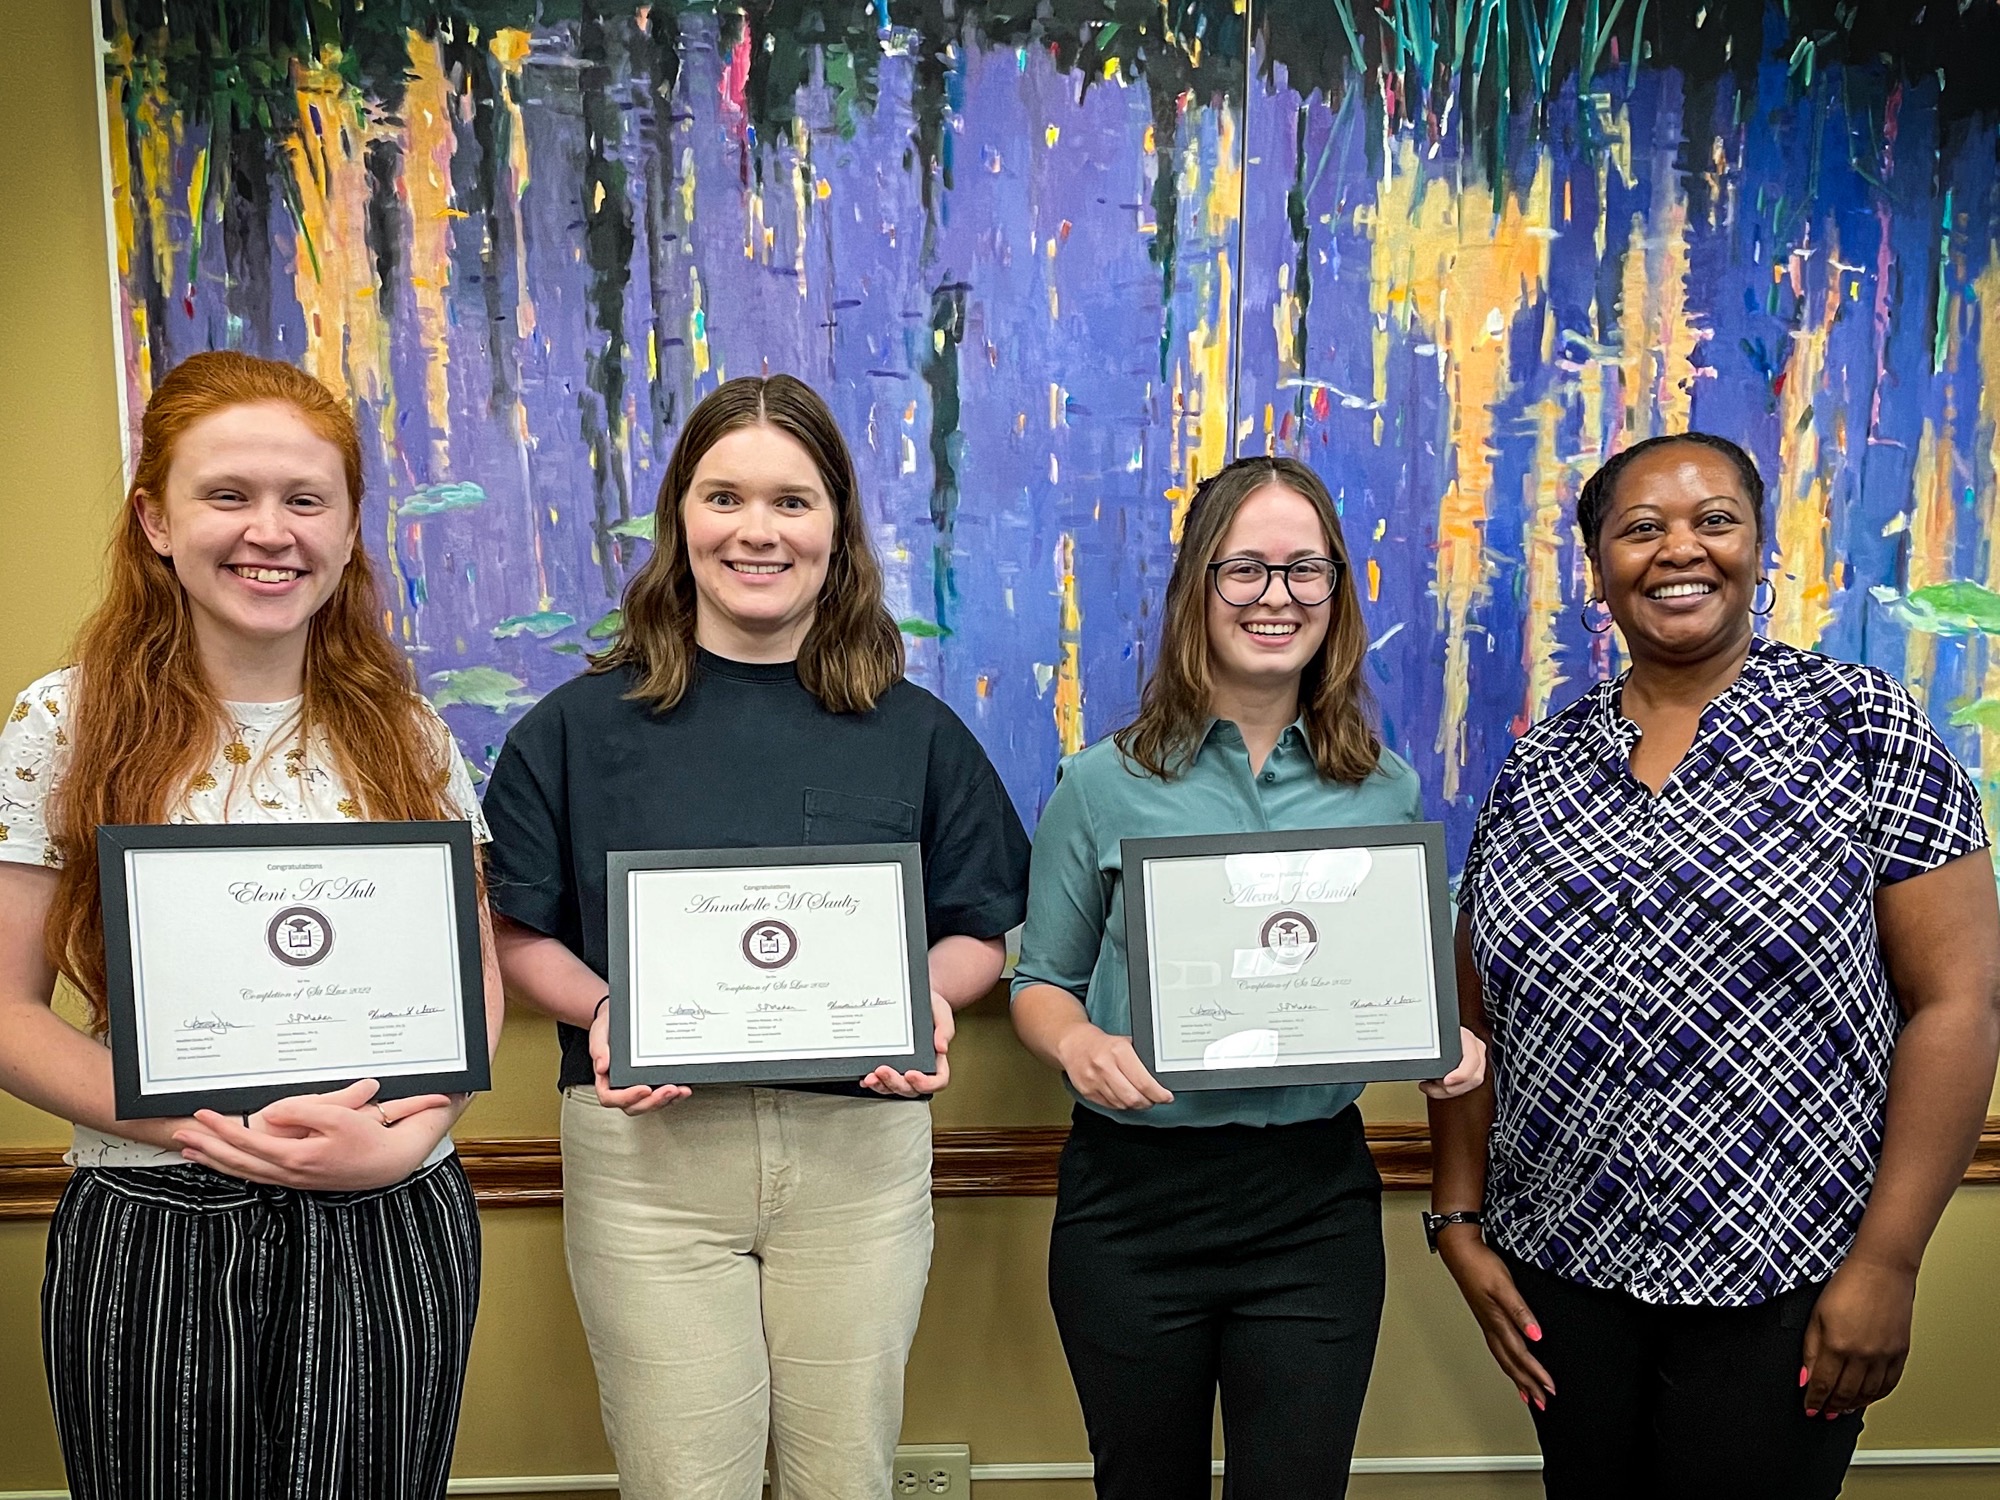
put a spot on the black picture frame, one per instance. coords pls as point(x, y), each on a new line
point(623, 863)
point(1136, 853)
point(115, 841)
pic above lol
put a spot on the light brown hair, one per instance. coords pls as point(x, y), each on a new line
point(853, 652)
point(1175, 711)
point(144, 721)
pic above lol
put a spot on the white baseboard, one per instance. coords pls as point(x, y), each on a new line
point(1440, 1463)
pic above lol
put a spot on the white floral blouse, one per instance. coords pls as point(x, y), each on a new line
point(260, 774)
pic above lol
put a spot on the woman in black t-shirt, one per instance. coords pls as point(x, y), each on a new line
point(749, 1262)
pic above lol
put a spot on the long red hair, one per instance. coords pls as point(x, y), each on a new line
point(144, 721)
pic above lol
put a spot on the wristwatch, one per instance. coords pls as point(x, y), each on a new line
point(1434, 1222)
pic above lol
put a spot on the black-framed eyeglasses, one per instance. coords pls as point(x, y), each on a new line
point(1242, 581)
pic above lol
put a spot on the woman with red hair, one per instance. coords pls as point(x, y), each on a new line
point(280, 1305)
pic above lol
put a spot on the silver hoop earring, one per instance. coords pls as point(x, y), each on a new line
point(1585, 616)
point(1762, 584)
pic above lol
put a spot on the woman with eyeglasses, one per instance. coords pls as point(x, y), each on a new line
point(1228, 1238)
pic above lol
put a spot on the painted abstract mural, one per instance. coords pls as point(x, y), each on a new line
point(1053, 263)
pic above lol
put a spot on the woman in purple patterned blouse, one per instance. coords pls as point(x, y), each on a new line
point(1728, 925)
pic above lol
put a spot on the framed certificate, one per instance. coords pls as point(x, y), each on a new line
point(248, 962)
point(1321, 956)
point(768, 965)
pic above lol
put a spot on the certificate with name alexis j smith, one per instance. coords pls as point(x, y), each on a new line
point(768, 965)
point(248, 962)
point(1317, 956)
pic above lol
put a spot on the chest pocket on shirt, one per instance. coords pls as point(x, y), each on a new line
point(843, 818)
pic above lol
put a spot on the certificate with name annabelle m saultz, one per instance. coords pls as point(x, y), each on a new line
point(768, 965)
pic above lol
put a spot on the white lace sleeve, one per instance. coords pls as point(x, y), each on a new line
point(31, 742)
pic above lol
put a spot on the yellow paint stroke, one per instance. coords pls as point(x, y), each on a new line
point(1542, 535)
point(1069, 670)
point(510, 48)
point(1201, 376)
point(1803, 607)
point(1986, 293)
point(159, 127)
point(1933, 529)
point(754, 233)
point(1443, 265)
point(697, 324)
point(1614, 128)
point(333, 271)
point(426, 182)
point(197, 199)
point(1657, 337)
point(137, 334)
point(801, 204)
point(1285, 323)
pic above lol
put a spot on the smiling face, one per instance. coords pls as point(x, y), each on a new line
point(258, 524)
point(1258, 646)
point(760, 532)
point(1677, 555)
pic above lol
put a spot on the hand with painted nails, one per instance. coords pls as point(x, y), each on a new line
point(1506, 1320)
point(1858, 1338)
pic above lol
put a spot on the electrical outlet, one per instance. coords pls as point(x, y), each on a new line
point(940, 1469)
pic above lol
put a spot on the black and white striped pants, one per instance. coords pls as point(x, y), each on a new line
point(211, 1339)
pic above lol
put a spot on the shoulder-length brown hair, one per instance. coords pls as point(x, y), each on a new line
point(1175, 711)
point(144, 721)
point(853, 652)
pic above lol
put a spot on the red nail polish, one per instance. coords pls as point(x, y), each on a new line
point(1805, 1374)
point(1812, 1411)
point(1540, 1404)
point(1535, 1332)
point(1524, 1397)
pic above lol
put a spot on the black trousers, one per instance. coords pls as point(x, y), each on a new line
point(210, 1339)
point(1234, 1255)
point(1679, 1403)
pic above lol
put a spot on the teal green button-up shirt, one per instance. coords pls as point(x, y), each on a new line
point(1075, 937)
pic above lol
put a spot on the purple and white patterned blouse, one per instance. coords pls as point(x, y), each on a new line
point(1691, 1019)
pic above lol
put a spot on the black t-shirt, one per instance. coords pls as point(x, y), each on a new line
point(747, 759)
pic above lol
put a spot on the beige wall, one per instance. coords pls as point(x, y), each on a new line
point(986, 1369)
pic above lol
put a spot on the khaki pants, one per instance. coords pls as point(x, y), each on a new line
point(749, 1264)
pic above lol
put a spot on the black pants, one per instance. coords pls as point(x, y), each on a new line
point(1245, 1256)
point(1674, 1403)
point(210, 1339)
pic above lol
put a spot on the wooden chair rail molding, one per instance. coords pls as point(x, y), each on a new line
point(1016, 1162)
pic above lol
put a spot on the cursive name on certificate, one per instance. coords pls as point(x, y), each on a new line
point(328, 888)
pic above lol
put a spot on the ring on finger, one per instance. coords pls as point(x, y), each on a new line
point(386, 1121)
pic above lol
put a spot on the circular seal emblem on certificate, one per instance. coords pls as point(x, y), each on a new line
point(299, 936)
point(1289, 933)
point(770, 945)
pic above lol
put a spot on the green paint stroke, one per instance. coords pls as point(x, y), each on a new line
point(542, 624)
point(436, 499)
point(607, 627)
point(1959, 607)
point(638, 526)
point(479, 687)
point(923, 630)
point(1984, 714)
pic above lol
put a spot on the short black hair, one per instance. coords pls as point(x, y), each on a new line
point(1595, 498)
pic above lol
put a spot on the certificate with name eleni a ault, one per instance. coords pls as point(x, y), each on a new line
point(248, 962)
